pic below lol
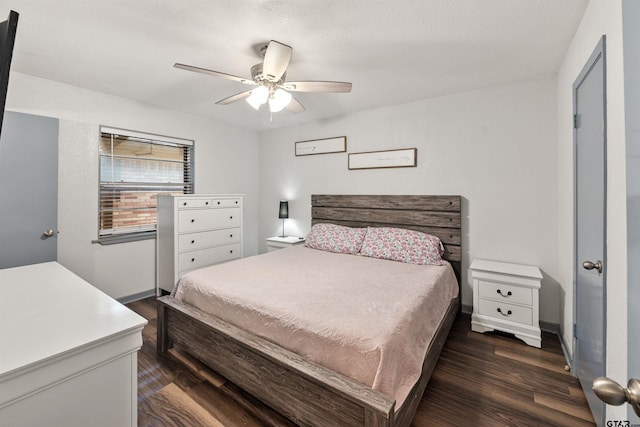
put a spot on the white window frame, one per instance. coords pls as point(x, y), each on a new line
point(116, 235)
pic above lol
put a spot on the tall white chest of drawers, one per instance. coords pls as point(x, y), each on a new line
point(196, 231)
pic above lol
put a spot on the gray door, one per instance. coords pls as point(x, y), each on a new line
point(28, 189)
point(633, 285)
point(631, 37)
point(633, 257)
point(590, 143)
point(612, 390)
point(633, 238)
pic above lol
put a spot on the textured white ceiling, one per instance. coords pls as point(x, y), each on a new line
point(392, 51)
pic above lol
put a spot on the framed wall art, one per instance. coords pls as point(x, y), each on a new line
point(337, 144)
point(402, 158)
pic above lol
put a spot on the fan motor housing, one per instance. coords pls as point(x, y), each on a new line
point(258, 76)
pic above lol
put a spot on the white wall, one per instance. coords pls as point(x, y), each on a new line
point(496, 147)
point(602, 17)
point(226, 161)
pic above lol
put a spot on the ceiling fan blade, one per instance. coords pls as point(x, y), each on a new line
point(276, 60)
point(214, 73)
point(318, 86)
point(295, 106)
point(234, 98)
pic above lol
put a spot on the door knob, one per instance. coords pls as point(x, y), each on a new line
point(48, 233)
point(588, 265)
point(613, 393)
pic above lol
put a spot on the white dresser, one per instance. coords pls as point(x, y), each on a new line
point(505, 297)
point(68, 352)
point(196, 231)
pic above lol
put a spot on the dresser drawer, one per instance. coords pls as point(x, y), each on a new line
point(505, 293)
point(193, 203)
point(204, 257)
point(225, 203)
point(205, 239)
point(207, 203)
point(208, 219)
point(505, 311)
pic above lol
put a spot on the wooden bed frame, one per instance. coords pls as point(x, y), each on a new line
point(307, 393)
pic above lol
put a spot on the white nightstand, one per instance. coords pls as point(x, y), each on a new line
point(505, 297)
point(275, 243)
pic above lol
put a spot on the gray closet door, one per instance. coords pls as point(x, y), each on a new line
point(28, 189)
point(590, 269)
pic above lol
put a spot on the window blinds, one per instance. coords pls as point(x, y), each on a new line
point(134, 169)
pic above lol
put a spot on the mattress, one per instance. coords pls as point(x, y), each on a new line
point(369, 319)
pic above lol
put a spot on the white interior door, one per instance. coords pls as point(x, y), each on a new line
point(28, 189)
point(590, 263)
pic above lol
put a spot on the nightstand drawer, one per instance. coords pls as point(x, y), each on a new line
point(275, 243)
point(504, 311)
point(203, 257)
point(505, 293)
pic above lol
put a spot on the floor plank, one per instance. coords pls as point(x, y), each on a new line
point(575, 407)
point(481, 380)
point(171, 406)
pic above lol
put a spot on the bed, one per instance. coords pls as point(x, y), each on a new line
point(311, 393)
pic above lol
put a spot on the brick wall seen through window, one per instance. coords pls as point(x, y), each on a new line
point(134, 169)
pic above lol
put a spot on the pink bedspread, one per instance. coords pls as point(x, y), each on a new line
point(369, 319)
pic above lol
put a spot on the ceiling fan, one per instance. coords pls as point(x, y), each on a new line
point(269, 77)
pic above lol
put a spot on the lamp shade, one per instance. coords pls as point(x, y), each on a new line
point(284, 210)
point(279, 100)
point(258, 96)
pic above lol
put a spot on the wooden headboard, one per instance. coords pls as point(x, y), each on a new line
point(436, 215)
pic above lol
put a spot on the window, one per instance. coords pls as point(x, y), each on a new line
point(134, 169)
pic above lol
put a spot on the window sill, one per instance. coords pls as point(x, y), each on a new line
point(125, 238)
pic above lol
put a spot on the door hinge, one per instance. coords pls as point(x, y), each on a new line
point(576, 121)
point(575, 330)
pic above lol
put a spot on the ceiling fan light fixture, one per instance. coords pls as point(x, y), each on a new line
point(279, 100)
point(270, 78)
point(258, 96)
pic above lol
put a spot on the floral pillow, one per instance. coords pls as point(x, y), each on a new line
point(335, 238)
point(398, 244)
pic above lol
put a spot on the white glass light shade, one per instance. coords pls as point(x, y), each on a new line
point(258, 97)
point(279, 100)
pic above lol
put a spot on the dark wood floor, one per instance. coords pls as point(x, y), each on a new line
point(480, 380)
